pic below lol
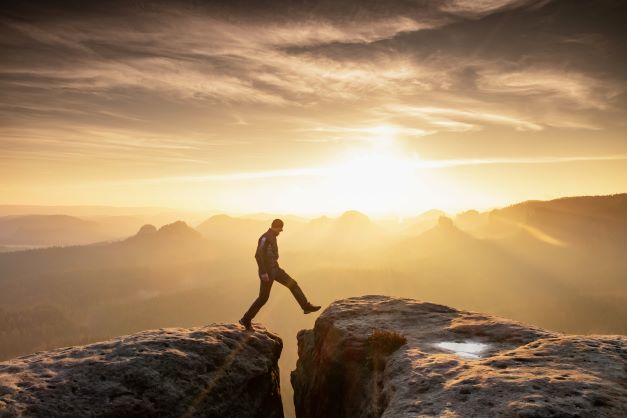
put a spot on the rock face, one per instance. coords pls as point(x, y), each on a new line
point(346, 370)
point(214, 371)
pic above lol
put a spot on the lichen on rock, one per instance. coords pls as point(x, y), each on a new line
point(214, 371)
point(522, 371)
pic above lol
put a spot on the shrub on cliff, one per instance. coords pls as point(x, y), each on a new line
point(382, 343)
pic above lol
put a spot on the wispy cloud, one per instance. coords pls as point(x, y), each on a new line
point(335, 170)
point(258, 61)
point(93, 143)
point(460, 119)
point(368, 133)
point(531, 160)
point(582, 90)
point(242, 63)
point(481, 7)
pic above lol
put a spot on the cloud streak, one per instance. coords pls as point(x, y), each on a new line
point(335, 170)
point(460, 120)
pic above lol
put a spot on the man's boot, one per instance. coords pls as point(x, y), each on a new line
point(310, 308)
point(302, 300)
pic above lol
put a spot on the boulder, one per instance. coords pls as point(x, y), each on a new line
point(218, 371)
point(379, 356)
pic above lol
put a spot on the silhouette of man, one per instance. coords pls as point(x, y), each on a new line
point(267, 256)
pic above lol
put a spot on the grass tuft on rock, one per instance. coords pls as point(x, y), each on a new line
point(385, 342)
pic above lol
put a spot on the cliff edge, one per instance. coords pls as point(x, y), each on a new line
point(378, 356)
point(214, 371)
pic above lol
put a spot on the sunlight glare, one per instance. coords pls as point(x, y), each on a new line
point(376, 178)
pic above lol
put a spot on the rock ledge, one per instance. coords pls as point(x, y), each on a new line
point(214, 371)
point(522, 372)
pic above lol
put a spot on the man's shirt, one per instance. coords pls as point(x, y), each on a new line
point(267, 254)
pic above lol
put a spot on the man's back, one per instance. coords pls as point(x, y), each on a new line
point(267, 253)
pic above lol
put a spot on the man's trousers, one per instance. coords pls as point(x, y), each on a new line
point(279, 275)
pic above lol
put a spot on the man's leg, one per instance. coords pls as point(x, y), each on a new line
point(285, 279)
point(264, 293)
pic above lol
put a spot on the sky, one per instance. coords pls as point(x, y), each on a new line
point(310, 108)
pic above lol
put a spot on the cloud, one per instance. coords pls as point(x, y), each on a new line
point(335, 170)
point(483, 7)
point(163, 73)
point(459, 120)
point(376, 133)
point(320, 32)
point(584, 91)
point(215, 59)
point(228, 55)
point(108, 144)
point(533, 160)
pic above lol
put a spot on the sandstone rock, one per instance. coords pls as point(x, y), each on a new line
point(213, 371)
point(522, 371)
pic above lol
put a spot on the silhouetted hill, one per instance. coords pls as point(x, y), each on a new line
point(93, 286)
point(268, 217)
point(582, 221)
point(177, 231)
point(123, 225)
point(352, 227)
point(171, 242)
point(240, 232)
point(418, 224)
point(609, 207)
point(353, 218)
point(107, 214)
point(438, 239)
point(320, 222)
point(38, 230)
point(472, 219)
point(351, 231)
point(511, 274)
point(146, 230)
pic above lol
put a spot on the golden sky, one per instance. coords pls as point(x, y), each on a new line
point(311, 107)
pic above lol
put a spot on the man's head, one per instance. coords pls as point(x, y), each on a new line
point(277, 226)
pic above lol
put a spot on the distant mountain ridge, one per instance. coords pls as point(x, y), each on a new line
point(222, 225)
point(590, 213)
point(580, 220)
point(171, 243)
point(47, 229)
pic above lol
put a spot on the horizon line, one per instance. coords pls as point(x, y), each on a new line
point(215, 212)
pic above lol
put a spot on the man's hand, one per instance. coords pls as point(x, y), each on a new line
point(264, 277)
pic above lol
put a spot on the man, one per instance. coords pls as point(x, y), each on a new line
point(267, 256)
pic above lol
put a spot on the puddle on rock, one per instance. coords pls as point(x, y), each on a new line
point(467, 349)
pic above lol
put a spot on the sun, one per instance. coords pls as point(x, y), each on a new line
point(375, 175)
point(374, 179)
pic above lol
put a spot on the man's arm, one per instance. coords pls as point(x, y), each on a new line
point(260, 255)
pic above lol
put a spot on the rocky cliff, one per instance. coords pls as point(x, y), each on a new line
point(214, 371)
point(375, 356)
